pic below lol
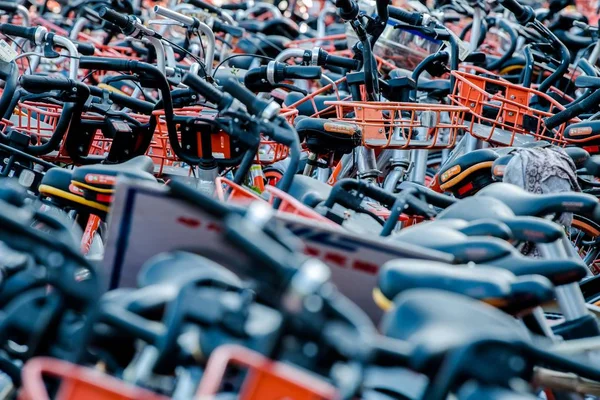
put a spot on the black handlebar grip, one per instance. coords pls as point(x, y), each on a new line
point(410, 18)
point(301, 72)
point(377, 193)
point(208, 7)
point(105, 63)
point(120, 20)
point(208, 91)
point(342, 62)
point(347, 9)
point(238, 6)
point(234, 31)
point(19, 31)
point(254, 105)
point(85, 49)
point(523, 14)
point(8, 7)
point(571, 112)
point(41, 84)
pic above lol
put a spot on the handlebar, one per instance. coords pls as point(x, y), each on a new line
point(347, 9)
point(340, 189)
point(523, 14)
point(254, 105)
point(41, 84)
point(410, 18)
point(8, 7)
point(233, 7)
point(325, 59)
point(208, 7)
point(212, 94)
point(124, 22)
point(571, 112)
point(85, 49)
point(19, 31)
point(264, 79)
point(234, 31)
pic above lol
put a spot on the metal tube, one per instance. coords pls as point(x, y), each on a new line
point(24, 13)
point(476, 28)
point(572, 303)
point(419, 169)
point(538, 314)
point(289, 53)
point(160, 53)
point(77, 27)
point(595, 53)
point(366, 161)
point(569, 297)
point(209, 57)
point(72, 50)
point(309, 167)
point(170, 56)
point(175, 16)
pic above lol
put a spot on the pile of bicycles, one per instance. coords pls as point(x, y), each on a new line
point(307, 199)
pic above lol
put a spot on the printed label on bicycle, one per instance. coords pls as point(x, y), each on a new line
point(585, 130)
point(7, 54)
point(340, 127)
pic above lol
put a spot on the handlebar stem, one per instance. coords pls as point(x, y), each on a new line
point(24, 13)
point(289, 53)
point(73, 53)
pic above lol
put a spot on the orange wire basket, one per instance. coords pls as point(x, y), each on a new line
point(222, 147)
point(229, 191)
point(500, 111)
point(77, 383)
point(392, 125)
point(266, 379)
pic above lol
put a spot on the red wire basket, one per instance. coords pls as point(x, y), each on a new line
point(392, 125)
point(77, 383)
point(500, 111)
point(266, 379)
point(322, 91)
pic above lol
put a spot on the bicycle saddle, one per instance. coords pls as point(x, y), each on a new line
point(587, 82)
point(488, 284)
point(307, 108)
point(467, 174)
point(559, 272)
point(101, 178)
point(592, 166)
point(176, 267)
point(436, 322)
point(464, 248)
point(471, 209)
point(483, 227)
point(309, 191)
point(578, 155)
point(522, 202)
point(323, 135)
point(586, 133)
point(56, 184)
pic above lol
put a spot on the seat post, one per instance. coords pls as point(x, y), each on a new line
point(569, 297)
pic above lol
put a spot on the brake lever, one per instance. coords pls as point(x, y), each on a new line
point(291, 88)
